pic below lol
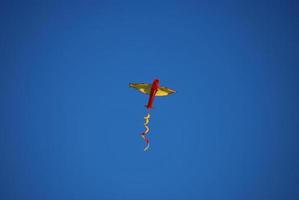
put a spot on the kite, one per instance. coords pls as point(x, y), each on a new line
point(152, 90)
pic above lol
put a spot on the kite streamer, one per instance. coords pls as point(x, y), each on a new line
point(143, 134)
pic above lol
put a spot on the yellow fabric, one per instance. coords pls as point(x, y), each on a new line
point(146, 89)
point(142, 87)
point(164, 91)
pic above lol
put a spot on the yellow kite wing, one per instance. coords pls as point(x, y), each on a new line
point(164, 91)
point(142, 87)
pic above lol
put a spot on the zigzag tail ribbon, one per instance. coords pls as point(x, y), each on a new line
point(143, 134)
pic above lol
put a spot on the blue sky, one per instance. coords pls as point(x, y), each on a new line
point(70, 124)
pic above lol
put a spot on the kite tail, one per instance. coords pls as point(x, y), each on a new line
point(143, 134)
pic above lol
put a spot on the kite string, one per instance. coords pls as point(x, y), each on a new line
point(143, 134)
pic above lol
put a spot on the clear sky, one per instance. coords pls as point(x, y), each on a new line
point(70, 125)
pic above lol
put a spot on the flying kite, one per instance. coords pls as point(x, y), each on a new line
point(152, 90)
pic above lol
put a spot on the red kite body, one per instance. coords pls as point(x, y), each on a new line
point(154, 89)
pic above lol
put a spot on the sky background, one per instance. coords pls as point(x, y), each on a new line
point(70, 125)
